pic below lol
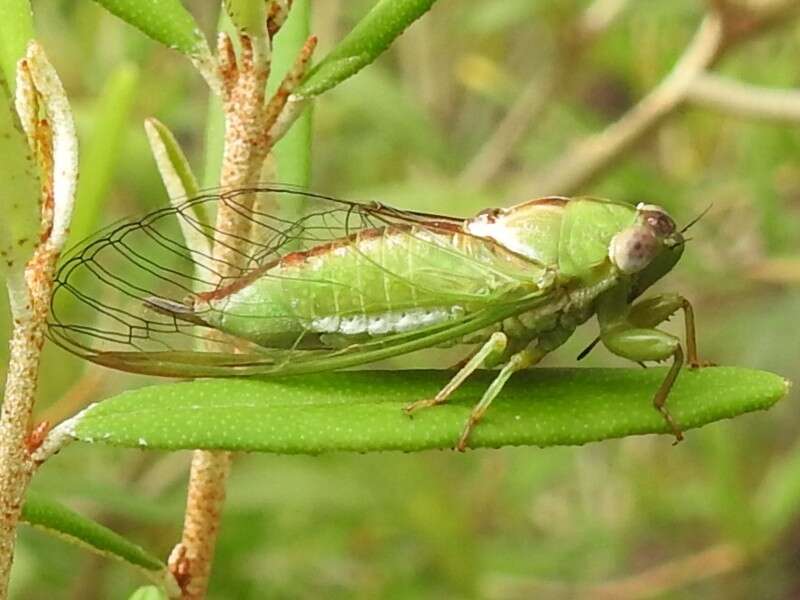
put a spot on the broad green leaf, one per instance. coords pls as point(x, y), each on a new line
point(166, 21)
point(57, 519)
point(367, 40)
point(16, 29)
point(19, 192)
point(103, 151)
point(361, 411)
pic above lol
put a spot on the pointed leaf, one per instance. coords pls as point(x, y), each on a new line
point(57, 519)
point(174, 167)
point(166, 21)
point(19, 192)
point(367, 40)
point(361, 411)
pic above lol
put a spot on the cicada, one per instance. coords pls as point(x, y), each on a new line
point(343, 284)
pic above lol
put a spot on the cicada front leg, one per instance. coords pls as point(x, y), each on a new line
point(657, 309)
point(631, 334)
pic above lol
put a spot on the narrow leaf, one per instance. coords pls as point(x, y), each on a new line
point(16, 29)
point(180, 183)
point(361, 411)
point(248, 15)
point(57, 519)
point(172, 163)
point(19, 192)
point(166, 21)
point(293, 151)
point(367, 40)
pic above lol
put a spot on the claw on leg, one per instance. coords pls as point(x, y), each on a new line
point(410, 409)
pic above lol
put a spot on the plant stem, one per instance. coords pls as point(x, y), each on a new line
point(244, 152)
point(249, 137)
point(16, 466)
point(54, 145)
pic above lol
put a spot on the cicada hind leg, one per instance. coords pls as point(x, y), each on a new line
point(490, 353)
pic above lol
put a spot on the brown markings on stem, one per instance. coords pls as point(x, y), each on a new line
point(36, 436)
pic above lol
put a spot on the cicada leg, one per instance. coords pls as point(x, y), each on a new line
point(519, 361)
point(633, 336)
point(657, 309)
point(641, 344)
point(494, 347)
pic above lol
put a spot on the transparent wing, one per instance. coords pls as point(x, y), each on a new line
point(103, 309)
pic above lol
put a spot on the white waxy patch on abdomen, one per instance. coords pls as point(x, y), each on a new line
point(325, 324)
point(352, 325)
point(379, 325)
point(388, 322)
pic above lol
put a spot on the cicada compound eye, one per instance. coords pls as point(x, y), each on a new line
point(632, 249)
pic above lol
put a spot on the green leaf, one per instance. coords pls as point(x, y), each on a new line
point(16, 30)
point(361, 410)
point(214, 134)
point(367, 40)
point(293, 151)
point(19, 192)
point(104, 149)
point(176, 172)
point(165, 21)
point(248, 15)
point(57, 519)
point(148, 592)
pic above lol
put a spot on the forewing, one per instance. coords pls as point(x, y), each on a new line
point(102, 306)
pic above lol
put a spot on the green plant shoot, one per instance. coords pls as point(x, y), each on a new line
point(348, 284)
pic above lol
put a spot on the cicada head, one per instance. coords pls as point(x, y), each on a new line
point(649, 248)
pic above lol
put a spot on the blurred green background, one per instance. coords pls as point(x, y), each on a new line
point(715, 517)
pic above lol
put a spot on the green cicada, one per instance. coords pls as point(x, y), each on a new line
point(345, 284)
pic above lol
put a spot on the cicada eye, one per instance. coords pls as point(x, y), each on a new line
point(632, 249)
